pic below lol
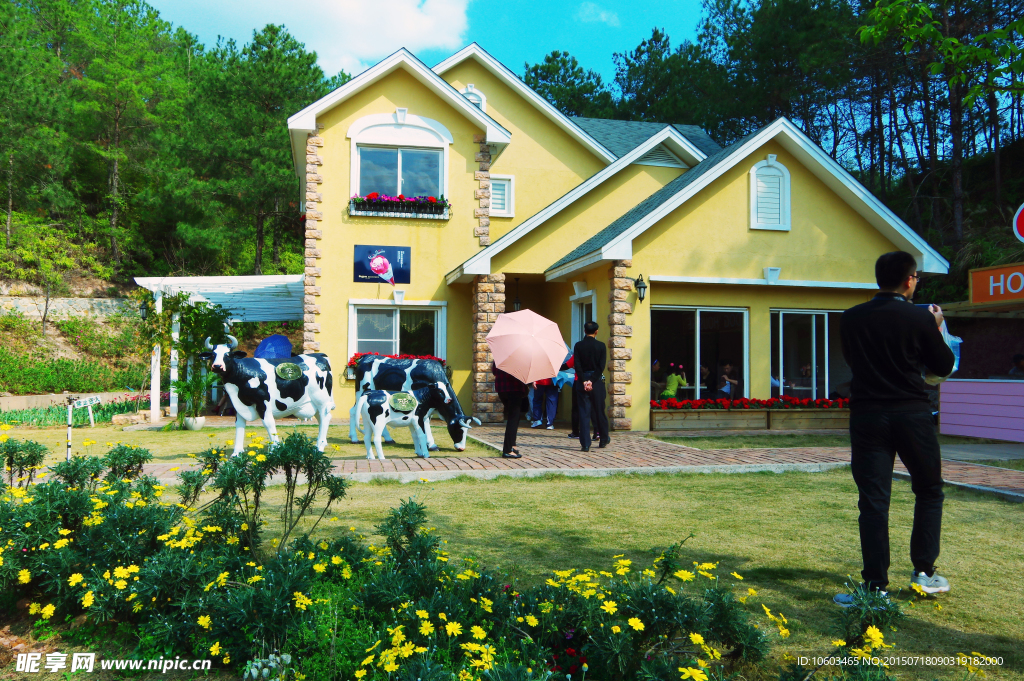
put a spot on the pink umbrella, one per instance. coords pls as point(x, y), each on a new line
point(527, 345)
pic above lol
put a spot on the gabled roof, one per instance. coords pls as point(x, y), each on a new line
point(480, 262)
point(504, 74)
point(616, 240)
point(622, 137)
point(304, 122)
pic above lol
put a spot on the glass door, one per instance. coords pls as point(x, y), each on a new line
point(800, 354)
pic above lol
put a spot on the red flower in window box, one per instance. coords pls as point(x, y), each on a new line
point(431, 199)
point(372, 196)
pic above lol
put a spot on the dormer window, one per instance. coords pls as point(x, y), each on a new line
point(769, 195)
point(476, 97)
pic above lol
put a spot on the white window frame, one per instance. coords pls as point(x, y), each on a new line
point(510, 196)
point(577, 301)
point(440, 323)
point(784, 196)
point(400, 130)
point(696, 341)
point(477, 98)
point(782, 312)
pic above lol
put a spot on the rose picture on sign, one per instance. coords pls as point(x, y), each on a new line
point(382, 264)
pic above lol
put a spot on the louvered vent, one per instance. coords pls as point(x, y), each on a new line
point(660, 156)
point(769, 197)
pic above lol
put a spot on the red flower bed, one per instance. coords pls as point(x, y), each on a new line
point(354, 359)
point(784, 402)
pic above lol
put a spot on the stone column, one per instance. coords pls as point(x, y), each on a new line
point(620, 335)
point(488, 303)
point(310, 309)
point(483, 194)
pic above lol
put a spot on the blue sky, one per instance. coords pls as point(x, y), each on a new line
point(355, 34)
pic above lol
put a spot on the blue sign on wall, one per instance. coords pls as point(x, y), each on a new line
point(388, 264)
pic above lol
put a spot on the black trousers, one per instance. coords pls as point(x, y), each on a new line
point(576, 416)
point(513, 410)
point(876, 438)
point(591, 407)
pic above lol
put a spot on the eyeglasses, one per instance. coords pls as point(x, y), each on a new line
point(916, 276)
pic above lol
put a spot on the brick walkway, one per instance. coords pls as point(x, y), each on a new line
point(547, 451)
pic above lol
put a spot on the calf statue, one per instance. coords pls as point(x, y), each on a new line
point(380, 408)
point(268, 389)
point(374, 372)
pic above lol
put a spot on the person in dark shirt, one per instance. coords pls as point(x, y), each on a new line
point(511, 392)
point(888, 344)
point(590, 357)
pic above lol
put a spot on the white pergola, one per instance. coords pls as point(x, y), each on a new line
point(273, 298)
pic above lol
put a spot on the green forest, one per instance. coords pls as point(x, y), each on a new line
point(127, 147)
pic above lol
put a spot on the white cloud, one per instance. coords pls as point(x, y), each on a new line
point(590, 13)
point(347, 35)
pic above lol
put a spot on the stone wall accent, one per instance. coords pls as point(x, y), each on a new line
point(483, 194)
point(488, 303)
point(33, 306)
point(619, 355)
point(314, 232)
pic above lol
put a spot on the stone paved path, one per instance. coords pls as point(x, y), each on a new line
point(547, 451)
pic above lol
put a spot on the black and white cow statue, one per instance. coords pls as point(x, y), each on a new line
point(374, 372)
point(268, 389)
point(381, 408)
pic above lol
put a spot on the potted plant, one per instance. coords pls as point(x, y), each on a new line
point(194, 392)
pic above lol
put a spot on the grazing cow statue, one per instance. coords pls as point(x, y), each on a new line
point(380, 408)
point(268, 389)
point(374, 372)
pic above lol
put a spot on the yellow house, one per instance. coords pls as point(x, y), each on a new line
point(747, 254)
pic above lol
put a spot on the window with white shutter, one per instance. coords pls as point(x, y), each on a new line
point(502, 196)
point(769, 195)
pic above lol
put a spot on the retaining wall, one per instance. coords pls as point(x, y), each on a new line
point(33, 306)
point(16, 402)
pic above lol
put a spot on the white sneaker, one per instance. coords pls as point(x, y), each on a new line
point(536, 424)
point(551, 427)
point(936, 584)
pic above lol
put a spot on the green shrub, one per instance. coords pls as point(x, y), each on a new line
point(117, 338)
point(21, 458)
point(30, 375)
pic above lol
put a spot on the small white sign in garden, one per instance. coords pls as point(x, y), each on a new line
point(73, 404)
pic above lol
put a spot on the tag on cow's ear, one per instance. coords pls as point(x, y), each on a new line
point(205, 355)
point(239, 353)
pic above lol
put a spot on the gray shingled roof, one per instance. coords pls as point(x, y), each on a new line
point(621, 137)
point(650, 204)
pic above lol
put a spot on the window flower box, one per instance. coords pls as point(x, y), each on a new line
point(709, 419)
point(778, 413)
point(383, 206)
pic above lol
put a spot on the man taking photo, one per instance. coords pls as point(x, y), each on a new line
point(888, 344)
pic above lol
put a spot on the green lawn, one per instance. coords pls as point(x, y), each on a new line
point(175, 446)
point(793, 537)
point(1013, 464)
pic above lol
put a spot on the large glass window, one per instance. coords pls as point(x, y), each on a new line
point(396, 331)
point(410, 172)
point(807, 361)
point(705, 347)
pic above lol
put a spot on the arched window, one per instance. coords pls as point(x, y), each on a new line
point(399, 153)
point(478, 98)
point(769, 195)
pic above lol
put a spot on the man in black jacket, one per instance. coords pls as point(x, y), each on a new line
point(589, 357)
point(888, 344)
